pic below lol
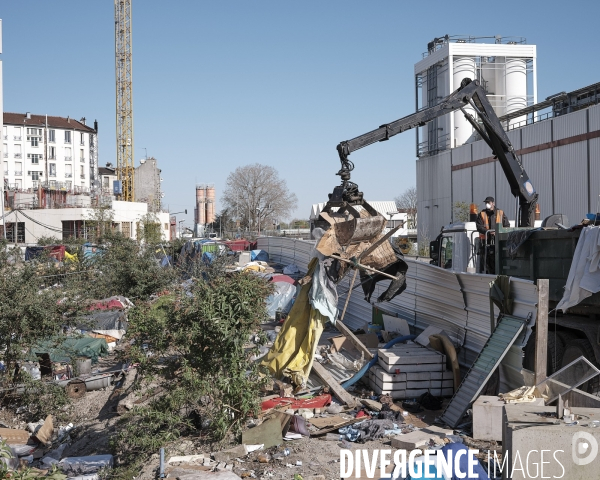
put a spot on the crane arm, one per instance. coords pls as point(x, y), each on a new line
point(470, 94)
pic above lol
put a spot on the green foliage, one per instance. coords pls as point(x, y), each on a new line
point(48, 241)
point(199, 344)
point(31, 307)
point(149, 229)
point(44, 398)
point(126, 268)
point(99, 223)
point(461, 212)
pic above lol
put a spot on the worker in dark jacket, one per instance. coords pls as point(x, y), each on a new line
point(486, 222)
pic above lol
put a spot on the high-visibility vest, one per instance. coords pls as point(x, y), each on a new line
point(486, 221)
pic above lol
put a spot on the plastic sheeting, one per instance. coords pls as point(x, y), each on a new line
point(282, 298)
point(61, 350)
point(294, 348)
point(259, 255)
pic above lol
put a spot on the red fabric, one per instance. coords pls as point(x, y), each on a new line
point(283, 278)
point(316, 402)
point(238, 245)
point(58, 252)
point(111, 304)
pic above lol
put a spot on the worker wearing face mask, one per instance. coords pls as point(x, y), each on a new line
point(486, 222)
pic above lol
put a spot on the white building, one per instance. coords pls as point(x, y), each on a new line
point(504, 66)
point(26, 226)
point(107, 176)
point(54, 153)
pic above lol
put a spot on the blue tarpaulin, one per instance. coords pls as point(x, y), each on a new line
point(259, 256)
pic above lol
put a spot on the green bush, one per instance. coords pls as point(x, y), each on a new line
point(199, 344)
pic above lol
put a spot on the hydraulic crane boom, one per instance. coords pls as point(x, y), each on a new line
point(470, 93)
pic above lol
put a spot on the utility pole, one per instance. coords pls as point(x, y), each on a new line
point(124, 95)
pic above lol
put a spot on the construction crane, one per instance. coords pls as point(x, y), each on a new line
point(123, 60)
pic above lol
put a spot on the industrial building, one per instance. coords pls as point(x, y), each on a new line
point(558, 140)
point(54, 153)
point(204, 213)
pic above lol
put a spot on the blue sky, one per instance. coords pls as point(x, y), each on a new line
point(223, 84)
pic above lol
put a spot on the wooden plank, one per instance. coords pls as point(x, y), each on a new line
point(541, 331)
point(323, 431)
point(344, 330)
point(336, 388)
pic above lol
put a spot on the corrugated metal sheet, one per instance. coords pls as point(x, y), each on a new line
point(537, 134)
point(594, 146)
point(461, 154)
point(481, 150)
point(484, 182)
point(461, 186)
point(504, 199)
point(538, 166)
point(490, 357)
point(457, 303)
point(570, 125)
point(594, 118)
point(570, 181)
point(515, 138)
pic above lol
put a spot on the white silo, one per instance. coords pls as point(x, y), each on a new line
point(516, 86)
point(464, 67)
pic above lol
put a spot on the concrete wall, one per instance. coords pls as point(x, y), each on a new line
point(147, 184)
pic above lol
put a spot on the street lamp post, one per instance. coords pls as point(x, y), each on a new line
point(180, 222)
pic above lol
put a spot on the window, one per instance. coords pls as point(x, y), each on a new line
point(5, 132)
point(19, 183)
point(447, 247)
point(105, 182)
point(34, 157)
point(52, 136)
point(82, 138)
point(5, 168)
point(36, 175)
point(18, 169)
point(67, 136)
point(5, 150)
point(52, 167)
point(17, 151)
point(68, 157)
point(36, 132)
point(52, 153)
point(69, 185)
point(81, 155)
point(68, 171)
point(17, 135)
point(34, 141)
point(20, 233)
point(82, 171)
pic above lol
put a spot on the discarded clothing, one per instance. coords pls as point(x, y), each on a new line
point(370, 430)
point(584, 275)
point(397, 269)
point(291, 269)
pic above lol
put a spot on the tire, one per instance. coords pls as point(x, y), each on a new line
point(575, 349)
point(566, 336)
point(555, 353)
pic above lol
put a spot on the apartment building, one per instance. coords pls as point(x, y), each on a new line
point(48, 152)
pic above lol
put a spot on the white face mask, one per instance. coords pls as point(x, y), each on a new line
point(488, 206)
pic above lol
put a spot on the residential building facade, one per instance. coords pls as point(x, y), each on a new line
point(147, 184)
point(53, 153)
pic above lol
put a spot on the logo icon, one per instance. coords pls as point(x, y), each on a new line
point(585, 448)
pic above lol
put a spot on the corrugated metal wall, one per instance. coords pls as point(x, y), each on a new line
point(565, 176)
point(457, 303)
point(571, 181)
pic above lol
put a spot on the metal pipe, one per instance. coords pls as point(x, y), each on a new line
point(161, 473)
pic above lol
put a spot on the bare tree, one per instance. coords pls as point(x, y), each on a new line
point(407, 203)
point(255, 194)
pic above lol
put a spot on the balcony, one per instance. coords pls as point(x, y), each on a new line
point(18, 155)
point(68, 141)
point(18, 173)
point(68, 175)
point(4, 137)
point(52, 174)
point(82, 160)
point(68, 159)
point(5, 154)
point(17, 138)
point(82, 176)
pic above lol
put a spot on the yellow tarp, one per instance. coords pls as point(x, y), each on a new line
point(294, 348)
